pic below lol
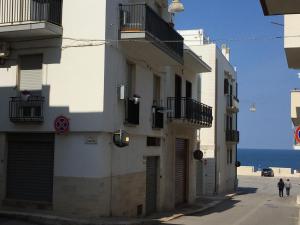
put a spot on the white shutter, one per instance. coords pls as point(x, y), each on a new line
point(31, 73)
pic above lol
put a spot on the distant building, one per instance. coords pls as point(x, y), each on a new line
point(291, 12)
point(74, 76)
point(219, 88)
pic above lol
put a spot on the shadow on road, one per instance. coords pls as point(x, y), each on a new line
point(246, 190)
point(226, 205)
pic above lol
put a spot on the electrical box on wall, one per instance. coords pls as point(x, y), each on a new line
point(122, 92)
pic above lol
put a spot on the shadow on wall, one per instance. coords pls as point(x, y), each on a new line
point(85, 121)
point(50, 48)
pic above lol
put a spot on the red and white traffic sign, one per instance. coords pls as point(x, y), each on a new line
point(61, 125)
point(297, 135)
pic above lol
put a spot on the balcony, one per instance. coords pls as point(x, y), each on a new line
point(142, 28)
point(295, 107)
point(189, 111)
point(26, 110)
point(30, 18)
point(292, 42)
point(233, 136)
point(232, 104)
point(280, 7)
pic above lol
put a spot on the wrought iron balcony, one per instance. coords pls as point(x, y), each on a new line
point(232, 104)
point(30, 18)
point(28, 109)
point(140, 21)
point(190, 110)
point(233, 136)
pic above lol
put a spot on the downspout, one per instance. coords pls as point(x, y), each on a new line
point(216, 119)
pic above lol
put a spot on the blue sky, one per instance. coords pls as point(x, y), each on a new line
point(263, 75)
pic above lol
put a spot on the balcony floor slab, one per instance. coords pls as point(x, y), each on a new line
point(137, 45)
point(29, 30)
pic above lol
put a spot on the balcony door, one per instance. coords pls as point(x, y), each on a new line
point(178, 96)
point(189, 102)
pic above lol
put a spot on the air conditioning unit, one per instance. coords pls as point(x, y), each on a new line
point(4, 50)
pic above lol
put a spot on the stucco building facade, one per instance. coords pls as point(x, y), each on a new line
point(220, 89)
point(74, 73)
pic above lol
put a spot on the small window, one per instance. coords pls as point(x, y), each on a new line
point(30, 72)
point(153, 141)
point(226, 86)
point(156, 90)
point(131, 79)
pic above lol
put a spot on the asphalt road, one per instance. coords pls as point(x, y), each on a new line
point(4, 221)
point(257, 204)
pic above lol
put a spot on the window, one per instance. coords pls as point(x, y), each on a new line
point(131, 79)
point(30, 73)
point(153, 141)
point(188, 89)
point(226, 86)
point(156, 90)
point(229, 156)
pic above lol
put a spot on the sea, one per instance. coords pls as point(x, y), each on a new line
point(264, 158)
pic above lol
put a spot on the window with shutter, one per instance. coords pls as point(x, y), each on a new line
point(30, 73)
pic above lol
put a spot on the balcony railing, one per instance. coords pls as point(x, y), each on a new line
point(190, 110)
point(232, 103)
point(233, 136)
point(26, 110)
point(19, 11)
point(135, 18)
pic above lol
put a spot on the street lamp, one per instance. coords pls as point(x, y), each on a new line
point(176, 6)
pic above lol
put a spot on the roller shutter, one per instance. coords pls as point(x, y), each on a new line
point(151, 184)
point(30, 71)
point(180, 171)
point(30, 167)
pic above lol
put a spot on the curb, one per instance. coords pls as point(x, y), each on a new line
point(41, 219)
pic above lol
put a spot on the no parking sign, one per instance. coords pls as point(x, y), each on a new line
point(297, 135)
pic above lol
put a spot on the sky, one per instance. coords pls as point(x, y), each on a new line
point(263, 74)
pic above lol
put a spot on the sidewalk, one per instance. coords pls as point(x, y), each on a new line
point(201, 204)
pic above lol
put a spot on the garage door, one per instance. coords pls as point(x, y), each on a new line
point(30, 167)
point(180, 171)
point(151, 184)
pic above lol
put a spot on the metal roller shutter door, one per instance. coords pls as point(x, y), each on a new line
point(151, 184)
point(30, 167)
point(180, 171)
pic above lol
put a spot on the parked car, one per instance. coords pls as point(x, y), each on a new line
point(267, 172)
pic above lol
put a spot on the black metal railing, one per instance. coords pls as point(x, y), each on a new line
point(142, 18)
point(17, 11)
point(28, 109)
point(190, 110)
point(132, 114)
point(233, 136)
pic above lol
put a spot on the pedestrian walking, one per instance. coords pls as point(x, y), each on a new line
point(280, 186)
point(288, 186)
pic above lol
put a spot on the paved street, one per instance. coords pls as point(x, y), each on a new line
point(257, 204)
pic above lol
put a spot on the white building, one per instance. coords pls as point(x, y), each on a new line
point(104, 67)
point(219, 89)
point(291, 12)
